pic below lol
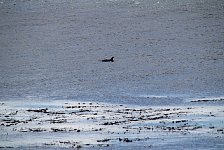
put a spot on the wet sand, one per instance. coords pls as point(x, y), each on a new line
point(87, 125)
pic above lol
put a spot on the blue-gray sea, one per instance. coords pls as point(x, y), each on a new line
point(166, 52)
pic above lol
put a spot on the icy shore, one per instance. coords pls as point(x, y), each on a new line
point(87, 125)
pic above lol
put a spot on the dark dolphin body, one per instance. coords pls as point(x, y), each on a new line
point(108, 60)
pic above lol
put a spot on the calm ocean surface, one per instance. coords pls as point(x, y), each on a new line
point(166, 51)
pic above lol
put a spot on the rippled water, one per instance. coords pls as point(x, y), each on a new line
point(165, 51)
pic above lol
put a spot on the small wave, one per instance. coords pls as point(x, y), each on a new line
point(154, 96)
point(207, 99)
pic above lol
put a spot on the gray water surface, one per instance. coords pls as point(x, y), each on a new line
point(166, 51)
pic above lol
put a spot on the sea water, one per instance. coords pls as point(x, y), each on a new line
point(165, 51)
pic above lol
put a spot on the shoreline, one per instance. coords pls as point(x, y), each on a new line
point(88, 125)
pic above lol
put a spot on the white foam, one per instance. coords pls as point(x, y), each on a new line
point(207, 98)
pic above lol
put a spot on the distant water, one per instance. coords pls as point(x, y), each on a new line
point(165, 51)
